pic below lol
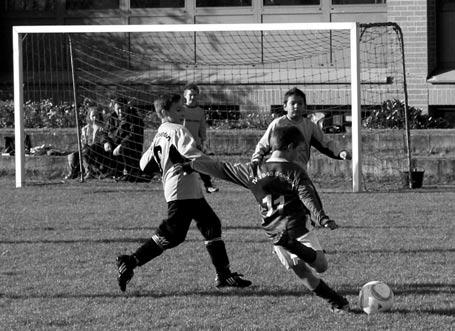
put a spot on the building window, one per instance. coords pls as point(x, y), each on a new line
point(223, 3)
point(290, 2)
point(356, 2)
point(89, 4)
point(28, 5)
point(157, 3)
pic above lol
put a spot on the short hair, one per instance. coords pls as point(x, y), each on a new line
point(294, 91)
point(120, 100)
point(282, 136)
point(191, 87)
point(164, 102)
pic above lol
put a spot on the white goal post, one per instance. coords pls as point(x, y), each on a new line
point(350, 27)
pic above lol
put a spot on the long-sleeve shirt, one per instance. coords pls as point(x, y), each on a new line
point(285, 193)
point(91, 134)
point(195, 123)
point(172, 137)
point(313, 137)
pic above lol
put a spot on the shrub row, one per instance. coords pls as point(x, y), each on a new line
point(46, 114)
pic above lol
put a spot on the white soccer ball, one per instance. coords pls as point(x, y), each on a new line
point(375, 296)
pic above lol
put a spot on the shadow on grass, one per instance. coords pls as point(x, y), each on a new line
point(241, 240)
point(253, 291)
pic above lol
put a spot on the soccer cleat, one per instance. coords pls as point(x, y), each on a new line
point(231, 280)
point(211, 189)
point(125, 268)
point(341, 306)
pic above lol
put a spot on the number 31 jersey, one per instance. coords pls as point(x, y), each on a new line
point(285, 193)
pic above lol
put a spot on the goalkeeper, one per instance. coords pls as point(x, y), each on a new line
point(286, 197)
point(295, 106)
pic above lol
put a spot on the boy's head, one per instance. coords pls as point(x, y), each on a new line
point(169, 108)
point(286, 139)
point(93, 115)
point(294, 103)
point(190, 94)
point(119, 105)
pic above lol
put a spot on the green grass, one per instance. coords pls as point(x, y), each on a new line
point(58, 245)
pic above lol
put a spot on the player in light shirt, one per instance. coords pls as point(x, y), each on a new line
point(184, 198)
point(294, 104)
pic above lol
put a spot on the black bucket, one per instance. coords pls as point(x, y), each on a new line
point(416, 178)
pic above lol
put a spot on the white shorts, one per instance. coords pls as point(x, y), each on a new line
point(288, 259)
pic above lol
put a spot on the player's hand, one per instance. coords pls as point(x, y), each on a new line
point(345, 155)
point(329, 224)
point(107, 147)
point(183, 168)
point(118, 150)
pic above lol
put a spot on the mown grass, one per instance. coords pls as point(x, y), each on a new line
point(58, 245)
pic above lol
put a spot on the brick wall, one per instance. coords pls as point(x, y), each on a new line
point(412, 16)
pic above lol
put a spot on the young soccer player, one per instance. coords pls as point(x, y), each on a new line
point(195, 123)
point(294, 104)
point(184, 199)
point(286, 197)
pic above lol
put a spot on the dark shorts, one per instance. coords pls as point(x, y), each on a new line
point(181, 213)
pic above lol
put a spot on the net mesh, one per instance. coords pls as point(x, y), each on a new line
point(242, 75)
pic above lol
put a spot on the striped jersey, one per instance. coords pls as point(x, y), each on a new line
point(285, 193)
point(177, 186)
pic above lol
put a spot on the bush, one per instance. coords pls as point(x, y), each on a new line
point(42, 114)
point(391, 115)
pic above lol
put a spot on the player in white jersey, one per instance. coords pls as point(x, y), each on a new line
point(195, 123)
point(294, 104)
point(184, 198)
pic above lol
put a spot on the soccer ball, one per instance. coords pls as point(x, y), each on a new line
point(375, 296)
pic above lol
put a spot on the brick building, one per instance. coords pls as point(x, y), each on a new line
point(426, 25)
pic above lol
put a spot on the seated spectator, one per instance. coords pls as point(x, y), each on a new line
point(93, 154)
point(123, 139)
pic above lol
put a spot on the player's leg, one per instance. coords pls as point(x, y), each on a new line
point(305, 273)
point(209, 225)
point(170, 233)
point(337, 302)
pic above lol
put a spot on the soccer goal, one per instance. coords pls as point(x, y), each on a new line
point(346, 70)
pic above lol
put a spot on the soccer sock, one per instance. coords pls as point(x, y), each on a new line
point(148, 251)
point(325, 292)
point(218, 254)
point(307, 254)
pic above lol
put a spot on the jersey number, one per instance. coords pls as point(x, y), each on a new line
point(273, 206)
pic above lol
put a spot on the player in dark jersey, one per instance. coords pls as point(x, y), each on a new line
point(287, 198)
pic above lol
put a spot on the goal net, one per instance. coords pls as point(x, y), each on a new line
point(347, 73)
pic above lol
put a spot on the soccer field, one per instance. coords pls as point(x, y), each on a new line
point(58, 245)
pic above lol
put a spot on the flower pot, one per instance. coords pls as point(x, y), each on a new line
point(416, 178)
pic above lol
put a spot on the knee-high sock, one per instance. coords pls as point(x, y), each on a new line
point(148, 251)
point(218, 255)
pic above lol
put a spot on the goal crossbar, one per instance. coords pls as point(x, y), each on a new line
point(352, 27)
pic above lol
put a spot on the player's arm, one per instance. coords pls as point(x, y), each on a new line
point(310, 198)
point(263, 145)
point(325, 145)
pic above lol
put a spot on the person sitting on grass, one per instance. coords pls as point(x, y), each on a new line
point(287, 199)
point(93, 153)
point(184, 197)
